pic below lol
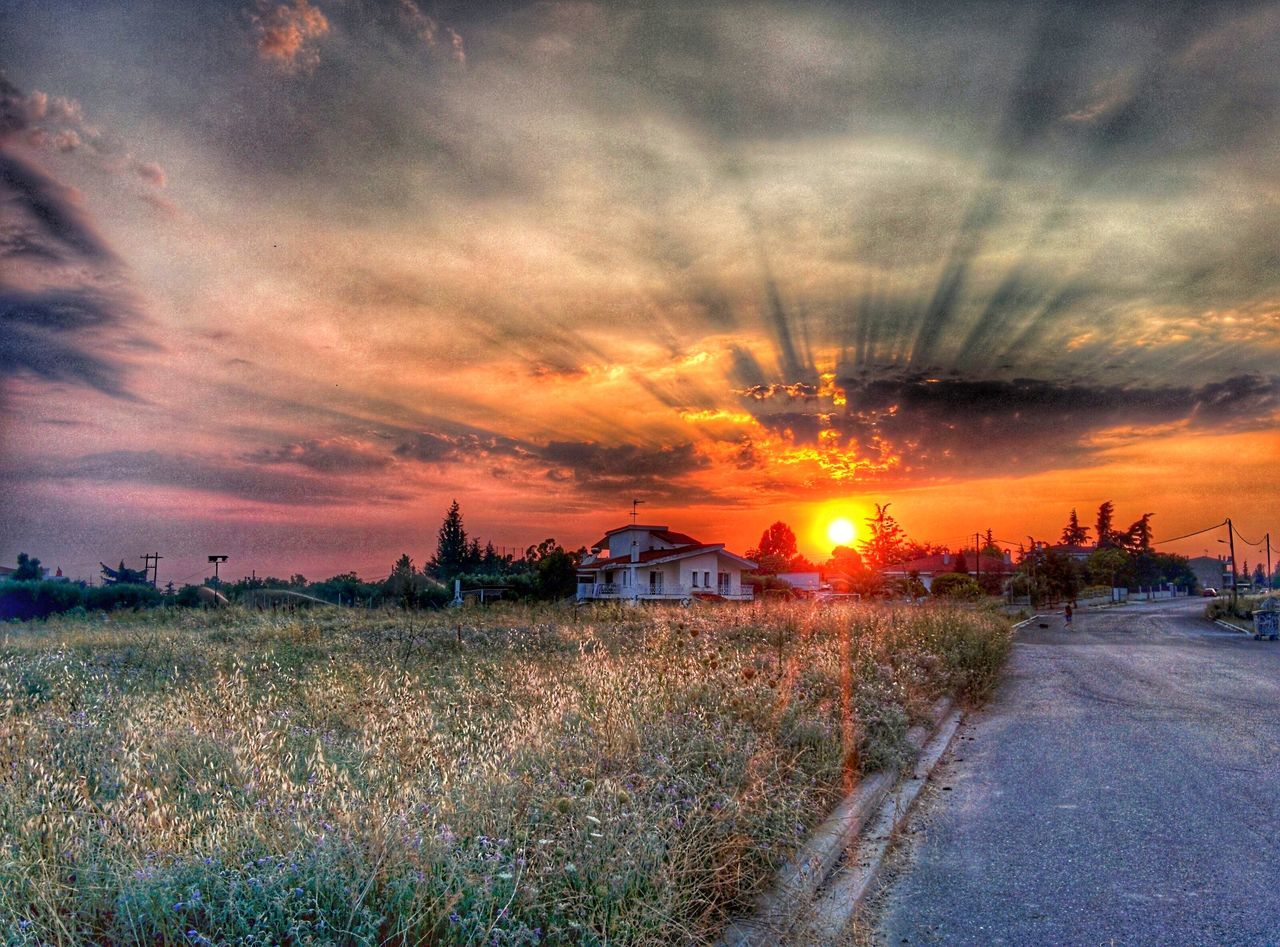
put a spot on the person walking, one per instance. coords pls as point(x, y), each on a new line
point(1067, 612)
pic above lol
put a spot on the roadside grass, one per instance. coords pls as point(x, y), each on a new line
point(510, 775)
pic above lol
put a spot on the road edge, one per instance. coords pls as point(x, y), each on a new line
point(804, 883)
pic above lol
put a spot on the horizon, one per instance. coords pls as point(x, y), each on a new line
point(282, 279)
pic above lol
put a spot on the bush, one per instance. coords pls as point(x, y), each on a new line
point(38, 599)
point(110, 597)
point(954, 585)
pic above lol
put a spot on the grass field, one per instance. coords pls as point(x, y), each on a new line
point(509, 775)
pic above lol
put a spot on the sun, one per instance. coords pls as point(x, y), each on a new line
point(840, 531)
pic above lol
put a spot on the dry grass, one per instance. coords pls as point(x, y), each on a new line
point(500, 776)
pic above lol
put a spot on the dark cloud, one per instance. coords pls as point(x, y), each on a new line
point(336, 455)
point(52, 207)
point(953, 426)
point(467, 447)
point(51, 335)
point(213, 475)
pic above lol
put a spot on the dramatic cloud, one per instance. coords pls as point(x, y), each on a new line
point(908, 426)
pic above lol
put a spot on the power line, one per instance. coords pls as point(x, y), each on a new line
point(1245, 541)
point(1196, 533)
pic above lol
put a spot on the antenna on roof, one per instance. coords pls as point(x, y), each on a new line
point(634, 504)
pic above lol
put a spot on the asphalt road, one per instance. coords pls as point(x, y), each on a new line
point(1123, 787)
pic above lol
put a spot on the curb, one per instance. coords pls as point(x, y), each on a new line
point(832, 913)
point(1228, 625)
point(1027, 621)
point(799, 888)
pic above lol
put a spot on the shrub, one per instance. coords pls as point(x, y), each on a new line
point(38, 599)
point(955, 585)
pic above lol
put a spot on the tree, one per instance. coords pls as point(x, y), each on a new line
point(962, 565)
point(1259, 577)
point(989, 547)
point(1137, 537)
point(402, 583)
point(777, 552)
point(1073, 534)
point(1103, 529)
point(28, 569)
point(885, 541)
point(1109, 567)
point(452, 550)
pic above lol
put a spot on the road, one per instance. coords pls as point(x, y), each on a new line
point(1123, 787)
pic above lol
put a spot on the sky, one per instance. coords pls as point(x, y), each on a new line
point(279, 280)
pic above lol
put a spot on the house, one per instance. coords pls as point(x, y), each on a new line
point(653, 563)
point(927, 567)
point(803, 583)
point(1072, 552)
point(1211, 572)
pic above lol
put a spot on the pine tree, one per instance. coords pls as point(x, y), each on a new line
point(402, 583)
point(450, 559)
point(1103, 529)
point(1073, 534)
point(885, 541)
point(1138, 535)
point(962, 564)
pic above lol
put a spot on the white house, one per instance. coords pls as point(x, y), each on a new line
point(652, 563)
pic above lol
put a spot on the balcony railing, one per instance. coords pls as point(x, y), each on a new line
point(668, 591)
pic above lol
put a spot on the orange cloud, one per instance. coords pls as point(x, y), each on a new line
point(286, 35)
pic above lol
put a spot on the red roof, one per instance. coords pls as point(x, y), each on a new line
point(649, 555)
point(935, 564)
point(676, 539)
point(658, 532)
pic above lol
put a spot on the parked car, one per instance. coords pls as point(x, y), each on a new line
point(1210, 593)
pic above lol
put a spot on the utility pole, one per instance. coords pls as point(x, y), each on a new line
point(1031, 592)
point(1268, 537)
point(977, 560)
point(151, 566)
point(216, 560)
point(1231, 544)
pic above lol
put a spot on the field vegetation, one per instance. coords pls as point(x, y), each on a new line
point(510, 775)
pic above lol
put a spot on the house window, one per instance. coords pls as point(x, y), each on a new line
point(722, 581)
point(655, 581)
point(693, 579)
point(706, 580)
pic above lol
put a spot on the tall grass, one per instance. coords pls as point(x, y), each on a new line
point(500, 776)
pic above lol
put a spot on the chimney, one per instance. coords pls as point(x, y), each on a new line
point(946, 558)
point(1008, 556)
point(635, 548)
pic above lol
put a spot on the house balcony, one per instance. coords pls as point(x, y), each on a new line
point(611, 591)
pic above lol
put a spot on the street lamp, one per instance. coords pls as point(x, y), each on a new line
point(216, 560)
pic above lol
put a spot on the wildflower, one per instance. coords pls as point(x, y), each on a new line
point(454, 918)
